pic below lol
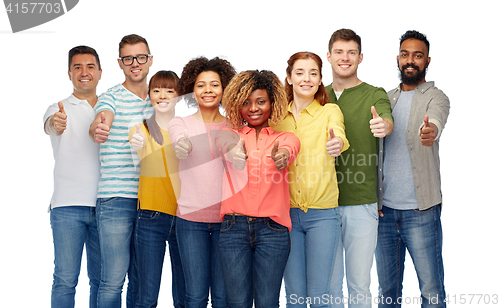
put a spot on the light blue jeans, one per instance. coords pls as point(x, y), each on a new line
point(356, 250)
point(308, 273)
point(116, 220)
point(421, 234)
point(72, 228)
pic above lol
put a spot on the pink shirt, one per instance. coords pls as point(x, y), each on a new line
point(259, 190)
point(201, 173)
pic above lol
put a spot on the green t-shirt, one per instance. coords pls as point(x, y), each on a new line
point(357, 166)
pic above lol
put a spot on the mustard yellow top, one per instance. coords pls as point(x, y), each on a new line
point(312, 176)
point(158, 185)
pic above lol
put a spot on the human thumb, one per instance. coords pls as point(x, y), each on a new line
point(274, 151)
point(374, 112)
point(61, 107)
point(332, 134)
point(138, 129)
point(426, 121)
point(243, 147)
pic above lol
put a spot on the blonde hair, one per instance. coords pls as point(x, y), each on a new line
point(240, 88)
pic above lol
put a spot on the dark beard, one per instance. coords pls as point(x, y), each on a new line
point(412, 80)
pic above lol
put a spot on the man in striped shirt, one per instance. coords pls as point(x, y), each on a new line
point(117, 110)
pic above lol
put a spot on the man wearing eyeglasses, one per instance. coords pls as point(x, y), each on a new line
point(116, 111)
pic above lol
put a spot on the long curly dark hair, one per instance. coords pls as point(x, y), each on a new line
point(240, 88)
point(199, 65)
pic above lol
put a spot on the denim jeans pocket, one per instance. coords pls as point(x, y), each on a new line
point(372, 210)
point(425, 211)
point(147, 214)
point(226, 225)
point(106, 200)
point(275, 226)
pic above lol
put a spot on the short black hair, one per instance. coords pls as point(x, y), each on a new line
point(82, 50)
point(413, 34)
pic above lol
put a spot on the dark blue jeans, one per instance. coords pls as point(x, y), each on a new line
point(419, 232)
point(254, 252)
point(152, 231)
point(200, 262)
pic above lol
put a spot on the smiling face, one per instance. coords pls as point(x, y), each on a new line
point(305, 78)
point(84, 74)
point(163, 99)
point(345, 58)
point(256, 109)
point(135, 72)
point(413, 60)
point(208, 90)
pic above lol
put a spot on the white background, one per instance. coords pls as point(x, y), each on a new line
point(256, 35)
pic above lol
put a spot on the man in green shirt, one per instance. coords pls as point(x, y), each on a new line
point(367, 117)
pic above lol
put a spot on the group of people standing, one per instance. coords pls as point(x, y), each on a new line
point(294, 182)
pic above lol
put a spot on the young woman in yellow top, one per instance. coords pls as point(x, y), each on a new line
point(158, 185)
point(313, 182)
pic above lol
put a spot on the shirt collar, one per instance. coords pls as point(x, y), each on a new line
point(422, 88)
point(311, 109)
point(246, 130)
point(75, 100)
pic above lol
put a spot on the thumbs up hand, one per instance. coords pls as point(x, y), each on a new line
point(427, 133)
point(138, 137)
point(101, 133)
point(183, 146)
point(334, 144)
point(377, 125)
point(59, 120)
point(238, 155)
point(279, 156)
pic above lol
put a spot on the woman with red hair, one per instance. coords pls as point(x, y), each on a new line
point(313, 182)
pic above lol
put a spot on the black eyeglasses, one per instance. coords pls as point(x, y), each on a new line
point(141, 59)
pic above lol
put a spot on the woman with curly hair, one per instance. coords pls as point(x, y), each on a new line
point(313, 182)
point(201, 171)
point(254, 243)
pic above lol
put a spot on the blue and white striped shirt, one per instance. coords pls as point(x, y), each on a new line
point(120, 166)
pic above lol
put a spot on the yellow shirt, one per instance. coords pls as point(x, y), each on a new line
point(158, 184)
point(312, 176)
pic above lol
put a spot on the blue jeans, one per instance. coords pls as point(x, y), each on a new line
point(308, 273)
point(420, 232)
point(359, 224)
point(200, 261)
point(152, 231)
point(72, 228)
point(116, 220)
point(253, 251)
